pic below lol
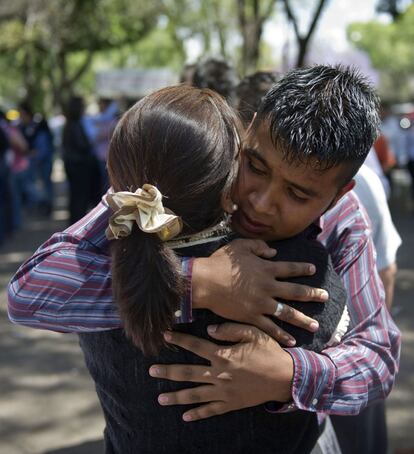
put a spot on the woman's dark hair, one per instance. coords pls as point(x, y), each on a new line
point(184, 141)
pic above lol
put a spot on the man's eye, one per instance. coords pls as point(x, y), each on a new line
point(255, 169)
point(296, 197)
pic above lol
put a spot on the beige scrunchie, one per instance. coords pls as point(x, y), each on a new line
point(144, 206)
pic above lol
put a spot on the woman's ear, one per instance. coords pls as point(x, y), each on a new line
point(227, 203)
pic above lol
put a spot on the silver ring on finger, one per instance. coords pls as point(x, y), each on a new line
point(279, 309)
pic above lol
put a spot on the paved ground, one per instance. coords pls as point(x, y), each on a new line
point(48, 403)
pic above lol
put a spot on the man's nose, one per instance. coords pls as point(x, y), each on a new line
point(263, 202)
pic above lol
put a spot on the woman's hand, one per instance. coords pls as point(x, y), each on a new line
point(238, 283)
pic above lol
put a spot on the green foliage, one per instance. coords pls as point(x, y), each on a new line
point(390, 48)
point(50, 49)
point(51, 43)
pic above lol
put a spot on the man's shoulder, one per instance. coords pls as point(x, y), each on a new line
point(345, 232)
point(346, 214)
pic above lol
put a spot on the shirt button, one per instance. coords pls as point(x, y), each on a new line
point(314, 401)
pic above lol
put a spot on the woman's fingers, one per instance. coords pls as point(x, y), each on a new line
point(199, 394)
point(207, 411)
point(182, 372)
point(201, 347)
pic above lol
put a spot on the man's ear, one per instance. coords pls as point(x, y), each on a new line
point(348, 187)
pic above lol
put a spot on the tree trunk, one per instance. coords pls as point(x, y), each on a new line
point(302, 51)
point(303, 40)
point(251, 22)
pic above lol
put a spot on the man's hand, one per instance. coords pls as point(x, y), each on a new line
point(249, 373)
point(236, 282)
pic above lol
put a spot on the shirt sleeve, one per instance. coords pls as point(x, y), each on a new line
point(66, 286)
point(186, 309)
point(361, 369)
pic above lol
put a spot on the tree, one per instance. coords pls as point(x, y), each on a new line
point(229, 27)
point(53, 42)
point(303, 39)
point(252, 15)
point(392, 7)
point(390, 49)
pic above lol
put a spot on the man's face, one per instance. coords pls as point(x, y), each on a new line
point(277, 200)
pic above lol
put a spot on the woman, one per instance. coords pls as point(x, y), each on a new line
point(182, 143)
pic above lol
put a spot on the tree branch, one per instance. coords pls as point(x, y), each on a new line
point(268, 10)
point(83, 67)
point(292, 18)
point(316, 16)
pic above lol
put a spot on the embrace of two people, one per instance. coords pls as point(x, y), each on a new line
point(237, 262)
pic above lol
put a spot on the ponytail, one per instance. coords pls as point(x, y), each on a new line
point(147, 286)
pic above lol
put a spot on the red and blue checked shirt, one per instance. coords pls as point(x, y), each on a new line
point(66, 287)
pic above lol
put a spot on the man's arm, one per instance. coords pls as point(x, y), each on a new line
point(342, 379)
point(236, 283)
point(66, 285)
point(362, 368)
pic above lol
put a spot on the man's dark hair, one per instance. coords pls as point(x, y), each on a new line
point(322, 116)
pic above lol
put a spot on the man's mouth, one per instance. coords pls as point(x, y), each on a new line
point(250, 225)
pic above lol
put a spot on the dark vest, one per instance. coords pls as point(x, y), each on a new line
point(136, 423)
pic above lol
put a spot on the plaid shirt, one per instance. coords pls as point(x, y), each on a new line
point(66, 287)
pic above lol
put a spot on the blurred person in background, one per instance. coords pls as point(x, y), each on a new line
point(392, 130)
point(386, 157)
point(250, 92)
point(39, 137)
point(4, 184)
point(410, 152)
point(81, 165)
point(20, 183)
point(187, 74)
point(374, 164)
point(217, 74)
point(100, 131)
point(369, 428)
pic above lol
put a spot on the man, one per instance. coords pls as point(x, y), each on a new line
point(306, 144)
point(311, 134)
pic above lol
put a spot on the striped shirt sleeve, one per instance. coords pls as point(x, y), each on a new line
point(362, 368)
point(66, 286)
